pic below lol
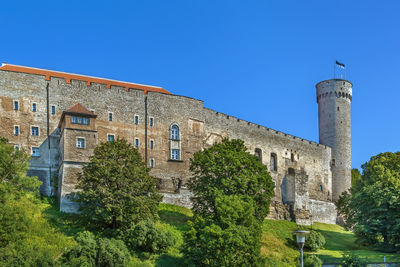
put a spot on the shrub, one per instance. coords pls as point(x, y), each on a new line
point(150, 237)
point(312, 261)
point(352, 260)
point(314, 241)
point(112, 252)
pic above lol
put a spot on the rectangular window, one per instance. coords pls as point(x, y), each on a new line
point(16, 147)
point(175, 154)
point(136, 142)
point(151, 163)
point(34, 107)
point(86, 121)
point(35, 152)
point(16, 105)
point(110, 138)
point(35, 130)
point(80, 142)
point(110, 116)
point(151, 121)
point(53, 110)
point(16, 130)
point(151, 144)
point(80, 120)
point(73, 119)
point(136, 119)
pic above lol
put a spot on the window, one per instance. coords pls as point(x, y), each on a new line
point(151, 144)
point(136, 142)
point(151, 163)
point(333, 163)
point(86, 121)
point(136, 119)
point(175, 132)
point(320, 188)
point(110, 116)
point(35, 130)
point(292, 157)
point(53, 110)
point(273, 163)
point(80, 142)
point(16, 147)
point(151, 121)
point(34, 107)
point(175, 154)
point(110, 137)
point(73, 119)
point(80, 120)
point(258, 153)
point(16, 130)
point(35, 152)
point(16, 105)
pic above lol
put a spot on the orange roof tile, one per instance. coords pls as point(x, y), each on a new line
point(88, 79)
point(78, 108)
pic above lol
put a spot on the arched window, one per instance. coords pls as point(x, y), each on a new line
point(175, 132)
point(273, 162)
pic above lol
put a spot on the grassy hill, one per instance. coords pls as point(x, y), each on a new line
point(277, 239)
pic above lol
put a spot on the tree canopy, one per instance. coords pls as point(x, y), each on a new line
point(116, 187)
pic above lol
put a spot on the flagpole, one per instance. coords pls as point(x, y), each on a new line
point(334, 69)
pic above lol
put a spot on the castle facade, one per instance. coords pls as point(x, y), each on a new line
point(59, 118)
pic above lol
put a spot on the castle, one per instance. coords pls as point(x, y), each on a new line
point(59, 118)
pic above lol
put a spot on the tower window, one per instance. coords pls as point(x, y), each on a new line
point(136, 142)
point(34, 107)
point(292, 157)
point(273, 162)
point(110, 116)
point(136, 119)
point(80, 142)
point(320, 188)
point(333, 163)
point(151, 121)
point(151, 163)
point(151, 144)
point(16, 105)
point(110, 137)
point(16, 130)
point(175, 132)
point(338, 109)
point(53, 110)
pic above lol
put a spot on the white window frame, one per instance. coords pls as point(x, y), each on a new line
point(15, 101)
point(111, 135)
point(151, 119)
point(112, 116)
point(51, 109)
point(151, 141)
point(172, 154)
point(19, 131)
point(16, 147)
point(32, 130)
point(83, 120)
point(36, 107)
point(152, 163)
point(137, 142)
point(77, 142)
point(179, 133)
point(136, 117)
point(32, 154)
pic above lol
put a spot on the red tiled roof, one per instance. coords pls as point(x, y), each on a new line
point(78, 108)
point(88, 79)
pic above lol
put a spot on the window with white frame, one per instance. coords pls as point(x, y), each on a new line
point(151, 144)
point(34, 107)
point(35, 152)
point(80, 142)
point(175, 142)
point(110, 116)
point(53, 110)
point(136, 120)
point(16, 147)
point(151, 121)
point(152, 163)
point(86, 121)
point(110, 137)
point(136, 142)
point(16, 130)
point(175, 154)
point(174, 132)
point(16, 105)
point(35, 130)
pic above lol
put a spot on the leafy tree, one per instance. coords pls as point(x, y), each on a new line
point(233, 240)
point(227, 168)
point(355, 177)
point(315, 241)
point(352, 260)
point(373, 207)
point(312, 261)
point(116, 187)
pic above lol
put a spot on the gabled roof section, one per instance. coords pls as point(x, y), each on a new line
point(88, 79)
point(79, 109)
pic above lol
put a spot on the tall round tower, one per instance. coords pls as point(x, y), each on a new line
point(334, 97)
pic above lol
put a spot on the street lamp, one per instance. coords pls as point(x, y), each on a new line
point(301, 239)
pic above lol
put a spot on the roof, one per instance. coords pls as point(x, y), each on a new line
point(88, 79)
point(79, 109)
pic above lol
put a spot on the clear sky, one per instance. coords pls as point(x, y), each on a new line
point(256, 60)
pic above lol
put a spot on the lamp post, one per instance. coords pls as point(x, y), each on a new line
point(301, 239)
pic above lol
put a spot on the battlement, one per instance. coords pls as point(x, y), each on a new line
point(334, 88)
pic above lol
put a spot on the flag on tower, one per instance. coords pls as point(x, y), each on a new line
point(341, 65)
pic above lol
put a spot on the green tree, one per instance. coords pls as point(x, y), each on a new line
point(227, 168)
point(116, 187)
point(355, 177)
point(372, 208)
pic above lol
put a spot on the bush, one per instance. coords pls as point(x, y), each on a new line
point(150, 237)
point(112, 252)
point(352, 260)
point(312, 261)
point(314, 241)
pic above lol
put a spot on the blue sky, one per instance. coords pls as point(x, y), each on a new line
point(256, 60)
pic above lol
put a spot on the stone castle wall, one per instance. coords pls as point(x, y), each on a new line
point(303, 176)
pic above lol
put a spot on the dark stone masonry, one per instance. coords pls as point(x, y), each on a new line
point(59, 118)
